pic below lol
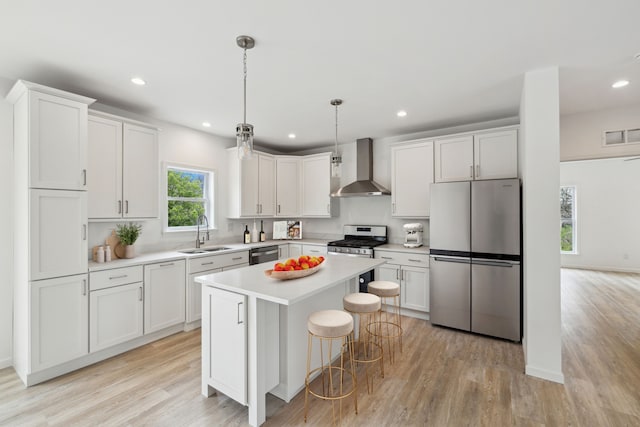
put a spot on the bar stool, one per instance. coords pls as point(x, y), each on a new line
point(326, 326)
point(389, 326)
point(367, 351)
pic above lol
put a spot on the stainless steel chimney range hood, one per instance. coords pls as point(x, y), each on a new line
point(364, 184)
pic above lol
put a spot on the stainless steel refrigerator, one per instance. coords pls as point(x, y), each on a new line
point(475, 280)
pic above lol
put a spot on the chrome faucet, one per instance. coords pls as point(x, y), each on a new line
point(198, 223)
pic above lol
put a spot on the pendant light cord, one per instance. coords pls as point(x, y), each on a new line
point(336, 129)
point(244, 61)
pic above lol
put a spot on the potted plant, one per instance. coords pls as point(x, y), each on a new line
point(128, 234)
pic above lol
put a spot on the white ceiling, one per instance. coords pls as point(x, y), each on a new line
point(445, 62)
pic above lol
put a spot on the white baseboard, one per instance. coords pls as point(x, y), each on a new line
point(5, 363)
point(601, 268)
point(557, 377)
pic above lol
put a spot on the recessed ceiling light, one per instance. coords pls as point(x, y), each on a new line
point(292, 136)
point(620, 83)
point(206, 124)
point(138, 81)
point(401, 113)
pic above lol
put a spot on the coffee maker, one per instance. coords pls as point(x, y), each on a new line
point(413, 235)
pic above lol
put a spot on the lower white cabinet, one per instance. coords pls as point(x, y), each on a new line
point(314, 250)
point(225, 360)
point(59, 321)
point(295, 250)
point(194, 295)
point(116, 315)
point(412, 274)
point(164, 295)
point(283, 251)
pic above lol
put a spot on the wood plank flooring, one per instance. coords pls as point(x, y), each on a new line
point(443, 378)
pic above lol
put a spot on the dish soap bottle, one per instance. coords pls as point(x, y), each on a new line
point(254, 232)
point(247, 235)
point(263, 237)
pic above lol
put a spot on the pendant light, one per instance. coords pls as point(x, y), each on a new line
point(336, 158)
point(244, 131)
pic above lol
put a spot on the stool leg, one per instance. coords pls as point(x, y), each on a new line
point(354, 376)
point(306, 381)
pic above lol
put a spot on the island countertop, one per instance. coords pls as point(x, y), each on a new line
point(252, 281)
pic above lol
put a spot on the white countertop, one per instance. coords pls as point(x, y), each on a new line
point(252, 281)
point(401, 248)
point(163, 256)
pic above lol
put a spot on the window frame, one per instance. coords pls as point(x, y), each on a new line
point(574, 221)
point(209, 191)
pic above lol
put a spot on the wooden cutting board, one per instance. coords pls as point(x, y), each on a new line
point(113, 241)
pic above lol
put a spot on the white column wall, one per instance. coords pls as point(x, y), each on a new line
point(540, 143)
point(6, 231)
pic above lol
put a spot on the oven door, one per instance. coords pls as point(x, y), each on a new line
point(364, 278)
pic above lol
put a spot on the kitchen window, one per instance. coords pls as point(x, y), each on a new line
point(568, 243)
point(189, 195)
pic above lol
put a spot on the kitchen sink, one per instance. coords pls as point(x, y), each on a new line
point(203, 250)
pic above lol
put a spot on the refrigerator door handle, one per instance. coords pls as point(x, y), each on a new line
point(495, 263)
point(451, 259)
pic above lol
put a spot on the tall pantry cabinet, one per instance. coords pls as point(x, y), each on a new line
point(51, 299)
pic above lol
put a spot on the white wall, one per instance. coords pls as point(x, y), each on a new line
point(581, 133)
point(6, 231)
point(540, 140)
point(607, 213)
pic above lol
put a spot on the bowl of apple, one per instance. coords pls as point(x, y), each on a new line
point(293, 268)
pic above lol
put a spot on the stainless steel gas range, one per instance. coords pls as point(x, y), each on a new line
point(359, 241)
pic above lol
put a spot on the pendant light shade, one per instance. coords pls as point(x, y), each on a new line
point(244, 131)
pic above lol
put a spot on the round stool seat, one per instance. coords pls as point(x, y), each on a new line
point(361, 303)
point(383, 288)
point(330, 323)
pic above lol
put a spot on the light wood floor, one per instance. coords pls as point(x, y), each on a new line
point(443, 378)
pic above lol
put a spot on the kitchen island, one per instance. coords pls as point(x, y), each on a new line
point(254, 328)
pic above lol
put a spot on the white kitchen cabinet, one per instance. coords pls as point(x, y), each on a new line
point(411, 178)
point(412, 273)
point(283, 251)
point(123, 168)
point(54, 126)
point(288, 170)
point(201, 266)
point(116, 315)
point(251, 185)
point(58, 233)
point(316, 186)
point(454, 159)
point(225, 359)
point(314, 250)
point(496, 154)
point(295, 250)
point(164, 295)
point(489, 154)
point(59, 321)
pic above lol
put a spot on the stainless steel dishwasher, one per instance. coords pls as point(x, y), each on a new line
point(263, 254)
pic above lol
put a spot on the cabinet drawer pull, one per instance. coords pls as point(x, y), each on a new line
point(240, 321)
point(206, 263)
point(314, 250)
point(167, 264)
point(386, 257)
point(236, 258)
point(118, 277)
point(414, 260)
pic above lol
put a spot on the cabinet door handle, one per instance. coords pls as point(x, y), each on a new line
point(126, 206)
point(84, 177)
point(477, 171)
point(398, 274)
point(278, 208)
point(167, 264)
point(119, 206)
point(240, 321)
point(140, 293)
point(206, 263)
point(236, 258)
point(84, 231)
point(122, 276)
point(84, 287)
point(471, 171)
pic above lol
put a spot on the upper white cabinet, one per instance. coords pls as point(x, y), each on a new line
point(53, 126)
point(288, 171)
point(123, 169)
point(251, 185)
point(316, 186)
point(411, 178)
point(164, 295)
point(482, 155)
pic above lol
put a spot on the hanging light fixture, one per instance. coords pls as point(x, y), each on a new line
point(336, 158)
point(244, 131)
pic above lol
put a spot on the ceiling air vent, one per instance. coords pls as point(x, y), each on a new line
point(612, 138)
